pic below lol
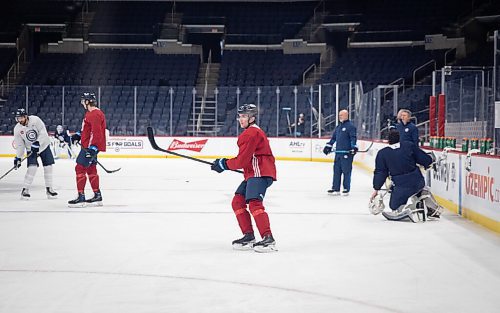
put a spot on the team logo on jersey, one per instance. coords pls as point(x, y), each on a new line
point(31, 135)
point(196, 146)
point(343, 129)
point(407, 129)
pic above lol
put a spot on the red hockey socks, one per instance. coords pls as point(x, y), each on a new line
point(240, 209)
point(260, 216)
point(81, 177)
point(93, 177)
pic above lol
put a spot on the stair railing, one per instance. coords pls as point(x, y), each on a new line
point(205, 92)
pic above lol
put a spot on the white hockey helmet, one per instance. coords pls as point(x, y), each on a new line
point(376, 205)
point(59, 128)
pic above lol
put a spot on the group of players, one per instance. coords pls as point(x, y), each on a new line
point(30, 135)
point(399, 161)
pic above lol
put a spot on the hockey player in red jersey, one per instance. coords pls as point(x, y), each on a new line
point(93, 141)
point(257, 161)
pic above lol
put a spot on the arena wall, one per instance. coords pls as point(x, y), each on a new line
point(468, 186)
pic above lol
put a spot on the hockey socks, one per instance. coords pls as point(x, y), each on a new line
point(81, 177)
point(30, 175)
point(260, 216)
point(240, 209)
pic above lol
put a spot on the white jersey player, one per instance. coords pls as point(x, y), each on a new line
point(31, 135)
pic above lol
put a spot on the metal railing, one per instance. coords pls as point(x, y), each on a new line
point(205, 92)
point(312, 67)
point(394, 83)
point(425, 124)
point(422, 67)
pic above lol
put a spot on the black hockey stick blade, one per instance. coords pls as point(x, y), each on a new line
point(108, 171)
point(13, 168)
point(155, 146)
point(349, 151)
point(366, 150)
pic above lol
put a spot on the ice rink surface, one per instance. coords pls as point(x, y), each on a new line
point(162, 243)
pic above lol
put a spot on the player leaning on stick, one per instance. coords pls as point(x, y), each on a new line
point(30, 134)
point(93, 140)
point(257, 161)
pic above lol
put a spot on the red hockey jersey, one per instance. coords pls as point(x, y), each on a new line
point(94, 130)
point(254, 156)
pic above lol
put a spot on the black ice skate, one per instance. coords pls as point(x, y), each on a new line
point(244, 243)
point(267, 244)
point(79, 202)
point(96, 200)
point(25, 194)
point(51, 194)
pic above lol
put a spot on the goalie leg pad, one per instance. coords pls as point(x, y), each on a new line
point(399, 214)
point(433, 208)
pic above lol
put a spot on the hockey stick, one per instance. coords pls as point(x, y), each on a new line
point(14, 167)
point(359, 151)
point(106, 170)
point(155, 146)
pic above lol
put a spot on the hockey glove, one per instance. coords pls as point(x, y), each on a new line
point(17, 163)
point(327, 149)
point(354, 150)
point(219, 165)
point(35, 148)
point(91, 154)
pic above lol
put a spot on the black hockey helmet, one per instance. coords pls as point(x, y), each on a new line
point(249, 109)
point(89, 96)
point(20, 112)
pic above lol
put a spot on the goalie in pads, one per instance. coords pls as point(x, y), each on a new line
point(400, 161)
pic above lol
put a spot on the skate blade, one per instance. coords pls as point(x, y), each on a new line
point(25, 198)
point(51, 197)
point(246, 247)
point(94, 204)
point(77, 205)
point(261, 249)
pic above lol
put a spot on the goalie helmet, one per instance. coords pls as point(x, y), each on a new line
point(376, 205)
point(59, 129)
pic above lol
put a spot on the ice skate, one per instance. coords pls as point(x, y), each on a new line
point(79, 202)
point(51, 194)
point(96, 200)
point(345, 193)
point(267, 244)
point(25, 194)
point(244, 243)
